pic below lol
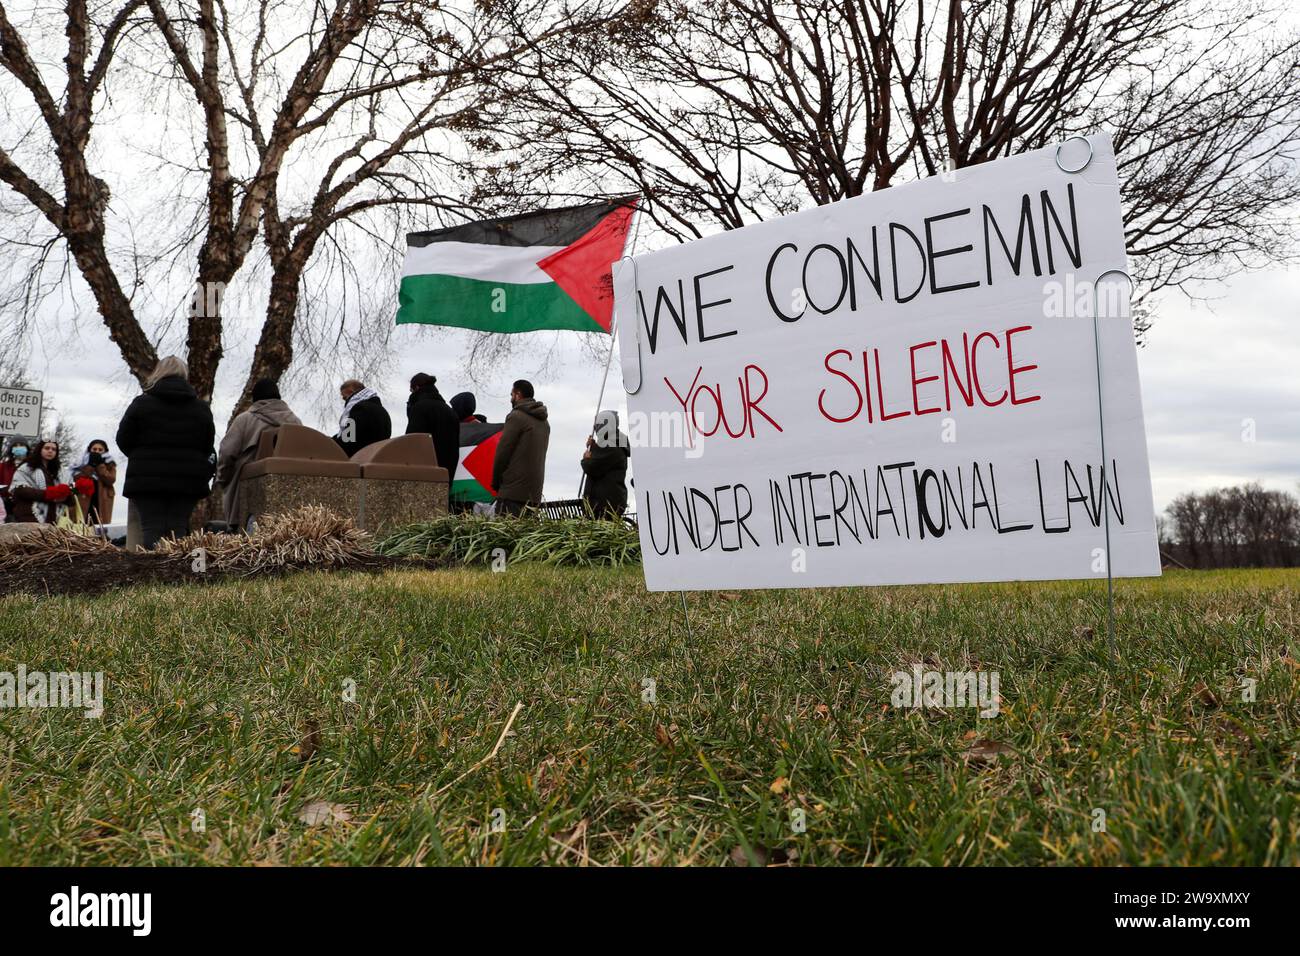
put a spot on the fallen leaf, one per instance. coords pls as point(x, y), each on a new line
point(779, 784)
point(310, 742)
point(570, 837)
point(316, 813)
point(1205, 697)
point(663, 736)
point(740, 858)
point(985, 752)
point(729, 595)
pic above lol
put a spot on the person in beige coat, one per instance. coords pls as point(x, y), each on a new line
point(97, 465)
point(240, 444)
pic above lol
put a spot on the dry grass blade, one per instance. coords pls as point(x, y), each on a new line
point(46, 546)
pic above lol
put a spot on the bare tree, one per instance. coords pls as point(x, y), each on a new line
point(305, 122)
point(1244, 526)
point(725, 112)
point(74, 199)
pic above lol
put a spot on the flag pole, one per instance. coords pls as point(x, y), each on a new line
point(609, 359)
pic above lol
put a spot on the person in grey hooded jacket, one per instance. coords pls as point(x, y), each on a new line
point(240, 444)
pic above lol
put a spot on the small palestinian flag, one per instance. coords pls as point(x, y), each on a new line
point(478, 449)
point(541, 270)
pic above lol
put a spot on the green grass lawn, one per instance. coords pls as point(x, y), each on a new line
point(778, 702)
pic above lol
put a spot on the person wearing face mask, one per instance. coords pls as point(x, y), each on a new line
point(37, 492)
point(13, 459)
point(94, 476)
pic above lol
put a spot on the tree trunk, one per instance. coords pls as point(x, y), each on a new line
point(274, 352)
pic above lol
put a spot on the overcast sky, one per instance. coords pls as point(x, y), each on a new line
point(1208, 372)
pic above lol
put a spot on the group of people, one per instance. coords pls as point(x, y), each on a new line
point(168, 436)
point(519, 467)
point(32, 488)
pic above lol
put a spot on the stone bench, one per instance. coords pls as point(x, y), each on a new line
point(389, 483)
point(401, 481)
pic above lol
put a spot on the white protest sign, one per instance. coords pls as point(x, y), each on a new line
point(897, 388)
point(20, 412)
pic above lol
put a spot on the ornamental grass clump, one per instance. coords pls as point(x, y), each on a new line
point(47, 545)
point(305, 537)
point(475, 539)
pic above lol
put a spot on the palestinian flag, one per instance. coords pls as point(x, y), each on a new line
point(478, 449)
point(541, 270)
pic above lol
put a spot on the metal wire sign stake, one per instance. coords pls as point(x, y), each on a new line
point(1101, 414)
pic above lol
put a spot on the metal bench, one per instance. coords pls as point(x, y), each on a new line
point(572, 508)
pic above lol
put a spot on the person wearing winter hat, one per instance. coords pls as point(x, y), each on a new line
point(428, 412)
point(464, 404)
point(13, 459)
point(239, 446)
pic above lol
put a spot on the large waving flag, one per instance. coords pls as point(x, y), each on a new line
point(541, 270)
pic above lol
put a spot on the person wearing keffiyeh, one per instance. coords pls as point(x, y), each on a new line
point(364, 420)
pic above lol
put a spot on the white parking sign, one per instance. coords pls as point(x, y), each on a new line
point(20, 412)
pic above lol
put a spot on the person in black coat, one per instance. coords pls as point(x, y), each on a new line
point(168, 437)
point(605, 465)
point(364, 420)
point(427, 411)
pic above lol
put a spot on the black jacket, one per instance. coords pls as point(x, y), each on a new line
point(427, 411)
point(606, 487)
point(372, 425)
point(168, 435)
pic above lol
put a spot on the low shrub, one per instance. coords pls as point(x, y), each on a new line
point(475, 539)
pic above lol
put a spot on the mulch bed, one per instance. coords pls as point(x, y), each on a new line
point(96, 573)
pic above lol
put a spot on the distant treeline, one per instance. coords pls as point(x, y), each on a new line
point(1239, 527)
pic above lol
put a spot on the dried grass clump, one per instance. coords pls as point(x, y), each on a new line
point(307, 536)
point(48, 545)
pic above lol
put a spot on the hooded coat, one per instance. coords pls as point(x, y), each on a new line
point(427, 411)
point(606, 468)
point(520, 464)
point(240, 445)
point(7, 468)
point(167, 434)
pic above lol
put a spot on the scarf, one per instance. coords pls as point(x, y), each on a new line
point(84, 460)
point(360, 396)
